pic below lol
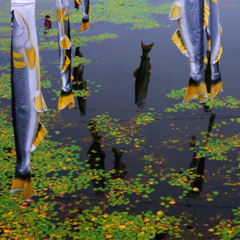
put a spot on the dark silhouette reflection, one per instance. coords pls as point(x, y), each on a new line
point(160, 236)
point(142, 75)
point(96, 159)
point(85, 19)
point(79, 85)
point(47, 24)
point(199, 164)
point(189, 38)
point(118, 169)
point(66, 96)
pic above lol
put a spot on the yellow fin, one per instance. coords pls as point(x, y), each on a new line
point(177, 39)
point(60, 14)
point(89, 9)
point(31, 56)
point(66, 99)
point(40, 134)
point(27, 190)
point(205, 60)
point(206, 14)
point(176, 11)
point(84, 26)
point(66, 64)
point(17, 55)
point(215, 1)
point(78, 2)
point(216, 89)
point(198, 89)
point(219, 54)
point(17, 184)
point(72, 77)
point(135, 72)
point(18, 64)
point(39, 102)
point(65, 43)
point(66, 18)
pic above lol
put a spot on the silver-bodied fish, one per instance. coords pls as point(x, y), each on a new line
point(79, 85)
point(85, 20)
point(66, 97)
point(142, 75)
point(192, 16)
point(216, 50)
point(27, 99)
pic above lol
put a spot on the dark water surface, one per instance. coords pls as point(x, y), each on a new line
point(165, 138)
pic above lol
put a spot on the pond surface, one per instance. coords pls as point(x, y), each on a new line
point(163, 170)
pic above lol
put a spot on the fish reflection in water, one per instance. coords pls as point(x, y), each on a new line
point(66, 96)
point(27, 99)
point(118, 169)
point(142, 75)
point(199, 164)
point(192, 17)
point(96, 159)
point(47, 24)
point(79, 85)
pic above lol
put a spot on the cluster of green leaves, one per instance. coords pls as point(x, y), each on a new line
point(138, 13)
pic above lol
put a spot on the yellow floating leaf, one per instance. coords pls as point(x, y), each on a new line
point(160, 213)
point(211, 230)
point(109, 236)
point(122, 226)
point(172, 202)
point(195, 189)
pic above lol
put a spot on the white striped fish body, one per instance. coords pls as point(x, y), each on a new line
point(27, 100)
point(216, 49)
point(66, 98)
point(189, 38)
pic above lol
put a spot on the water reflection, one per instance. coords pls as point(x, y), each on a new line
point(96, 159)
point(189, 38)
point(27, 99)
point(142, 75)
point(66, 96)
point(47, 24)
point(119, 168)
point(79, 85)
point(199, 164)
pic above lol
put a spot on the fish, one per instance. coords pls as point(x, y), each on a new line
point(200, 166)
point(66, 96)
point(27, 99)
point(192, 17)
point(80, 84)
point(215, 50)
point(142, 75)
point(85, 19)
point(96, 158)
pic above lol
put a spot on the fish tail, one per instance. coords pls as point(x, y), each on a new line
point(85, 25)
point(24, 183)
point(66, 99)
point(196, 89)
point(147, 47)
